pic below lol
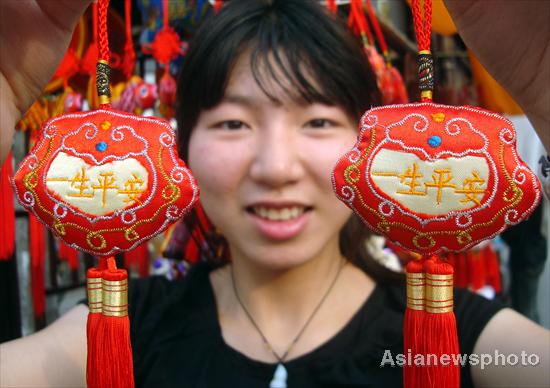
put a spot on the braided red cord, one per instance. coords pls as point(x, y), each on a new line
point(377, 29)
point(357, 16)
point(103, 36)
point(422, 23)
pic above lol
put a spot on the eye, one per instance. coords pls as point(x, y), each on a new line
point(320, 123)
point(231, 125)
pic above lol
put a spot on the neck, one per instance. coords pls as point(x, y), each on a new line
point(279, 299)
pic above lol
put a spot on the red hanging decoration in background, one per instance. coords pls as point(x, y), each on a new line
point(129, 59)
point(395, 91)
point(37, 253)
point(7, 211)
point(332, 6)
point(165, 48)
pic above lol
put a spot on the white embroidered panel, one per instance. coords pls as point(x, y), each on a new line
point(433, 188)
point(97, 190)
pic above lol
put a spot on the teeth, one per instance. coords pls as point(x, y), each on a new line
point(284, 214)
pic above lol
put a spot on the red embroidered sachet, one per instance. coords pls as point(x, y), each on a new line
point(434, 177)
point(105, 181)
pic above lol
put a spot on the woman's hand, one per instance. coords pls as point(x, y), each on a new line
point(34, 35)
point(512, 40)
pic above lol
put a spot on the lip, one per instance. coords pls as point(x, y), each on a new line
point(277, 204)
point(280, 230)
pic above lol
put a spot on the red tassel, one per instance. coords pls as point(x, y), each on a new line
point(440, 326)
point(7, 212)
point(413, 331)
point(93, 285)
point(37, 252)
point(113, 365)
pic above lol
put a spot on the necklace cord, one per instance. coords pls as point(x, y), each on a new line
point(282, 358)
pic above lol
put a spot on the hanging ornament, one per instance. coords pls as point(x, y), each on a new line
point(395, 92)
point(434, 178)
point(165, 48)
point(167, 95)
point(106, 181)
point(134, 96)
point(129, 58)
point(358, 23)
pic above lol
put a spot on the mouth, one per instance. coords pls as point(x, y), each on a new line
point(272, 213)
point(279, 221)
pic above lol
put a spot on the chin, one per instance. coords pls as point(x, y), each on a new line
point(278, 258)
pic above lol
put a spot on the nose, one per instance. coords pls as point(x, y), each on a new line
point(277, 161)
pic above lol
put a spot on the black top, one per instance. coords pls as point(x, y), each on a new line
point(177, 340)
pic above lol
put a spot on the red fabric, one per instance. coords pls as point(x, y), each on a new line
point(510, 194)
point(7, 211)
point(37, 251)
point(171, 189)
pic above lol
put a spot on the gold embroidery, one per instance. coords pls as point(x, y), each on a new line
point(442, 180)
point(408, 178)
point(352, 174)
point(470, 188)
point(105, 182)
point(132, 189)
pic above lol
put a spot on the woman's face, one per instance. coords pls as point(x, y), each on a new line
point(264, 172)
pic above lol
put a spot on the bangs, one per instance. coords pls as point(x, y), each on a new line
point(295, 48)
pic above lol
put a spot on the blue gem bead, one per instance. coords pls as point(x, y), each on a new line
point(101, 146)
point(434, 141)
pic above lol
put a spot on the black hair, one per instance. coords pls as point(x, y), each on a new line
point(316, 53)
